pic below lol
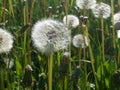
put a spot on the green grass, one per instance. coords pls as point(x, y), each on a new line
point(99, 63)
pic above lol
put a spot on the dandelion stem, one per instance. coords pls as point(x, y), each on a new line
point(92, 59)
point(112, 3)
point(11, 8)
point(4, 14)
point(31, 10)
point(118, 53)
point(113, 29)
point(79, 57)
point(7, 78)
point(50, 61)
point(1, 79)
point(102, 28)
point(65, 83)
point(61, 84)
point(66, 12)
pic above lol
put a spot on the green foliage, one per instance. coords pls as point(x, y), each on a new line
point(94, 73)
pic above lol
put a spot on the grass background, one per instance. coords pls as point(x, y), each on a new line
point(18, 16)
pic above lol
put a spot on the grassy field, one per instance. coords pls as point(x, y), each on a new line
point(96, 67)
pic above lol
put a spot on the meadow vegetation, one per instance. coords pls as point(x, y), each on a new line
point(88, 59)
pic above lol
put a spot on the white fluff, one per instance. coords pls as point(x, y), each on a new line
point(6, 41)
point(102, 10)
point(50, 36)
point(80, 41)
point(87, 4)
point(71, 21)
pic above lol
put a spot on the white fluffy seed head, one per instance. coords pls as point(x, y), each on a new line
point(116, 17)
point(80, 41)
point(50, 36)
point(71, 20)
point(6, 41)
point(85, 4)
point(102, 10)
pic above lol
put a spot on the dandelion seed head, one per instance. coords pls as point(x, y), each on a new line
point(87, 4)
point(6, 41)
point(102, 10)
point(71, 21)
point(80, 41)
point(116, 17)
point(50, 36)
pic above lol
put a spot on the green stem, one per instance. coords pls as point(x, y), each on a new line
point(4, 13)
point(50, 61)
point(65, 83)
point(118, 62)
point(11, 8)
point(79, 56)
point(102, 28)
point(1, 79)
point(61, 84)
point(112, 3)
point(66, 11)
point(92, 59)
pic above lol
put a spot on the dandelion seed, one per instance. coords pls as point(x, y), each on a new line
point(85, 4)
point(71, 21)
point(50, 36)
point(80, 41)
point(102, 10)
point(6, 41)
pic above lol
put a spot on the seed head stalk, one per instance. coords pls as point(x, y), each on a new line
point(25, 14)
point(50, 62)
point(4, 13)
point(91, 58)
point(70, 69)
point(102, 28)
point(30, 21)
point(112, 9)
point(1, 78)
point(27, 19)
point(66, 11)
point(84, 52)
point(11, 8)
point(31, 11)
point(113, 29)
